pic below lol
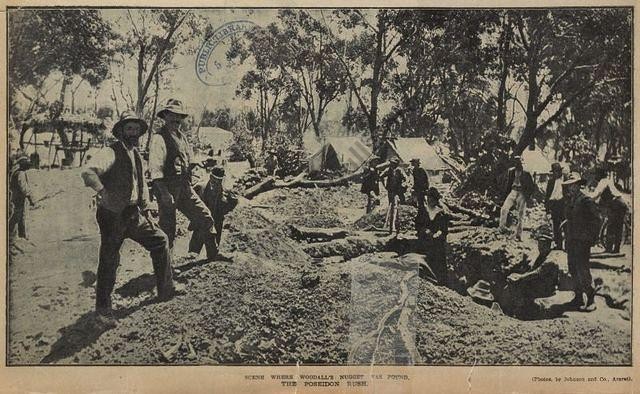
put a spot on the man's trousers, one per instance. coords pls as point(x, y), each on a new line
point(114, 229)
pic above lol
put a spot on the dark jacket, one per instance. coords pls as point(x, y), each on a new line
point(550, 185)
point(526, 181)
point(370, 181)
point(583, 220)
point(420, 180)
point(118, 181)
point(176, 162)
point(395, 183)
point(219, 201)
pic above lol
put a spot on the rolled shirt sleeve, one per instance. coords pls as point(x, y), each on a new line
point(100, 163)
point(157, 156)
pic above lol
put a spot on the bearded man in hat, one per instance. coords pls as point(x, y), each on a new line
point(116, 174)
point(583, 228)
point(170, 168)
point(519, 188)
point(554, 202)
point(20, 193)
point(219, 201)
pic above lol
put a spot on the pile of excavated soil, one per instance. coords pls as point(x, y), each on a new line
point(322, 207)
point(452, 329)
point(484, 253)
point(233, 313)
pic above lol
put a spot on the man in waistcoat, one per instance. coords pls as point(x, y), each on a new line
point(169, 165)
point(116, 174)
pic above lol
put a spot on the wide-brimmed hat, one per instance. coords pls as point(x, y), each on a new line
point(22, 158)
point(129, 116)
point(414, 160)
point(573, 177)
point(481, 290)
point(174, 106)
point(217, 172)
point(543, 233)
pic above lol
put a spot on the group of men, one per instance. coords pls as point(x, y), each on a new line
point(117, 174)
point(575, 218)
point(394, 180)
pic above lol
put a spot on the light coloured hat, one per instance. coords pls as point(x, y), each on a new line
point(481, 290)
point(129, 116)
point(174, 106)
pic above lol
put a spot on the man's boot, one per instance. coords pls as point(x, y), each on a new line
point(211, 245)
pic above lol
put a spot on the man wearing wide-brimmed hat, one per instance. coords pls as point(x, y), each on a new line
point(395, 185)
point(20, 193)
point(219, 201)
point(420, 182)
point(518, 189)
point(169, 165)
point(116, 173)
point(583, 227)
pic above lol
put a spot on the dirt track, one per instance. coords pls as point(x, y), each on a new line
point(270, 302)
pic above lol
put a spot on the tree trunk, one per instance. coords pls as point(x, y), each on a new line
point(153, 113)
point(505, 53)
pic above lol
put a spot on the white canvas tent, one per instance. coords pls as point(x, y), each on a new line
point(406, 149)
point(340, 152)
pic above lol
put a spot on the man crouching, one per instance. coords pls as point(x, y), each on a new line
point(116, 174)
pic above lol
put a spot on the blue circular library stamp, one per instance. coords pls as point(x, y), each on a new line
point(209, 69)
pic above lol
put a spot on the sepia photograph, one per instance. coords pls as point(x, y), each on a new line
point(319, 186)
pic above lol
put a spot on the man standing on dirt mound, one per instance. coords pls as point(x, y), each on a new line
point(169, 165)
point(583, 227)
point(116, 174)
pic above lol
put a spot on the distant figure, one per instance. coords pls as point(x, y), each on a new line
point(271, 162)
point(435, 234)
point(395, 186)
point(20, 192)
point(116, 174)
point(554, 203)
point(371, 184)
point(420, 182)
point(583, 227)
point(519, 188)
point(609, 197)
point(219, 201)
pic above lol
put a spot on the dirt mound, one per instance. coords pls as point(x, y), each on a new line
point(271, 324)
point(322, 207)
point(452, 329)
point(249, 231)
point(407, 216)
point(484, 253)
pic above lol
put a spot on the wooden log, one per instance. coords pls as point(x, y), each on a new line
point(317, 234)
point(261, 187)
point(466, 211)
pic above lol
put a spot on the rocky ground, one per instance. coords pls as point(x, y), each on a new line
point(273, 300)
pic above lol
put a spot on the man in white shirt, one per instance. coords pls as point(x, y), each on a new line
point(607, 195)
point(169, 165)
point(554, 203)
point(116, 174)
